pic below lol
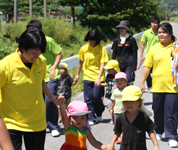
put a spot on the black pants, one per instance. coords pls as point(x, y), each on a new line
point(149, 79)
point(32, 140)
point(92, 96)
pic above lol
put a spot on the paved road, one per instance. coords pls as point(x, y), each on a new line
point(104, 131)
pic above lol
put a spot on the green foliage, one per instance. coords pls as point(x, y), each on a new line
point(23, 5)
point(4, 5)
point(172, 10)
point(108, 14)
point(70, 39)
point(7, 46)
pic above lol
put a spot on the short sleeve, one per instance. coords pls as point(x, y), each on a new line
point(81, 54)
point(149, 125)
point(134, 44)
point(149, 59)
point(118, 125)
point(3, 77)
point(144, 38)
point(104, 57)
point(52, 46)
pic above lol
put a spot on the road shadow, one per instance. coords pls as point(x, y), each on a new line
point(148, 103)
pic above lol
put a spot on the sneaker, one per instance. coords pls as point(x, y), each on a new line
point(119, 140)
point(111, 122)
point(173, 143)
point(91, 123)
point(158, 137)
point(55, 133)
point(99, 118)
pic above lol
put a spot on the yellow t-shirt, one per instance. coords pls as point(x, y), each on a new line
point(22, 106)
point(159, 57)
point(93, 57)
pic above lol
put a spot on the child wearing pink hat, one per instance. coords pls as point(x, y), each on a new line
point(116, 105)
point(76, 127)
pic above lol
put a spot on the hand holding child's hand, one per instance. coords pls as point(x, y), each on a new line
point(110, 147)
point(60, 100)
point(98, 82)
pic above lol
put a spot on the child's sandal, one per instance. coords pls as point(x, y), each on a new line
point(111, 122)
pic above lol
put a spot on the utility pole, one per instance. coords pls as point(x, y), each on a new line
point(15, 11)
point(44, 9)
point(31, 8)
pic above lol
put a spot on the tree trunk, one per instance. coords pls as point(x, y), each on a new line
point(73, 16)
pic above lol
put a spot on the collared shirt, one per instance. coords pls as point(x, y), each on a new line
point(159, 57)
point(52, 50)
point(134, 136)
point(93, 57)
point(22, 106)
point(150, 38)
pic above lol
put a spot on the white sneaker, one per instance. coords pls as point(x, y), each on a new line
point(91, 123)
point(55, 133)
point(148, 89)
point(173, 143)
point(158, 137)
point(99, 118)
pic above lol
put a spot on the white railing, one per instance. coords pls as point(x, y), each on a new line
point(73, 61)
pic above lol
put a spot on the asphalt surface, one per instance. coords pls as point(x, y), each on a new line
point(103, 131)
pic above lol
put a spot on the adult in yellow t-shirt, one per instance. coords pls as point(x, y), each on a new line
point(53, 57)
point(92, 57)
point(165, 96)
point(22, 106)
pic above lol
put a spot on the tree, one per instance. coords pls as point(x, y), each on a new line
point(4, 5)
point(23, 5)
point(72, 4)
point(99, 13)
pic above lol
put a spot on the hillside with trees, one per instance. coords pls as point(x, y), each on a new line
point(172, 9)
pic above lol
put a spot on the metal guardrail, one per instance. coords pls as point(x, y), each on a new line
point(73, 61)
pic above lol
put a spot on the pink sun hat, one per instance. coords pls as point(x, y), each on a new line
point(120, 75)
point(77, 108)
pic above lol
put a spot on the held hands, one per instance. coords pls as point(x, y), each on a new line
point(59, 100)
point(98, 82)
point(110, 147)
